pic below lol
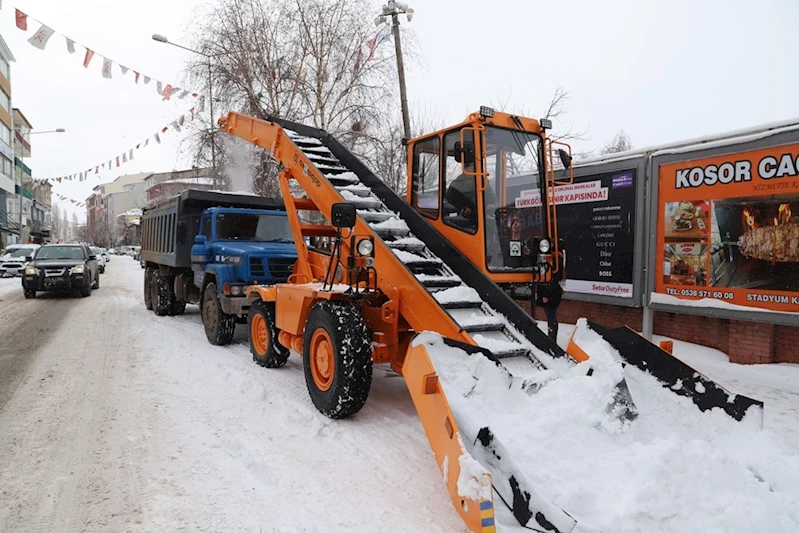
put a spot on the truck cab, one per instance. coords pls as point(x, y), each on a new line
point(241, 247)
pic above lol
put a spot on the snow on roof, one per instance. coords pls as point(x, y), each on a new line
point(131, 213)
point(186, 181)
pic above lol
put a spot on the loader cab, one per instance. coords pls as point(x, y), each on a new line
point(481, 185)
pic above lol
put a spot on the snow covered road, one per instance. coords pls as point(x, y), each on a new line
point(114, 419)
point(127, 421)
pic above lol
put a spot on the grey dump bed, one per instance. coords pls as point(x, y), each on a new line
point(169, 225)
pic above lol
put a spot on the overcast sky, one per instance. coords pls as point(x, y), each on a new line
point(664, 72)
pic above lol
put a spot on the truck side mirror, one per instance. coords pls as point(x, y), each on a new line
point(565, 158)
point(200, 239)
point(342, 215)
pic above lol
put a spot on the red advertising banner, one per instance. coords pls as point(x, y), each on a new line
point(727, 229)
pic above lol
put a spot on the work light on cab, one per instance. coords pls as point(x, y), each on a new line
point(544, 246)
point(486, 112)
point(366, 247)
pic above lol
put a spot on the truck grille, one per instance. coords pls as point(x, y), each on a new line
point(257, 267)
point(281, 267)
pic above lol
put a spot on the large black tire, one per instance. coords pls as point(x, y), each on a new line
point(219, 326)
point(337, 359)
point(178, 307)
point(30, 293)
point(262, 332)
point(86, 290)
point(161, 294)
point(148, 294)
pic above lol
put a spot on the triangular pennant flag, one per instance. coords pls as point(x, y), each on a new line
point(182, 119)
point(184, 94)
point(102, 166)
point(157, 138)
point(130, 154)
point(192, 113)
point(107, 68)
point(22, 20)
point(137, 76)
point(175, 125)
point(167, 94)
point(137, 146)
point(96, 170)
point(70, 45)
point(164, 129)
point(109, 164)
point(147, 141)
point(40, 38)
point(124, 157)
point(201, 107)
point(147, 80)
point(117, 161)
point(88, 58)
point(124, 69)
point(159, 87)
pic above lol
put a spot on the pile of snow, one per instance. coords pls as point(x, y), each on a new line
point(673, 469)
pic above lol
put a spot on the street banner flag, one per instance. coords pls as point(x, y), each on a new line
point(70, 45)
point(40, 38)
point(88, 58)
point(107, 63)
point(22, 20)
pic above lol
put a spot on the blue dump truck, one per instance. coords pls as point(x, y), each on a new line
point(203, 247)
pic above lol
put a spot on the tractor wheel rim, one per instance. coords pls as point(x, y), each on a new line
point(260, 334)
point(322, 360)
point(210, 314)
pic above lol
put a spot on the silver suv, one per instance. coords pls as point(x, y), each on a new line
point(16, 256)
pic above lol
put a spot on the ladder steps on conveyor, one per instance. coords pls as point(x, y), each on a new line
point(488, 329)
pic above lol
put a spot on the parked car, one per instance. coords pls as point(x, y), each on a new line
point(106, 255)
point(16, 256)
point(100, 258)
point(61, 267)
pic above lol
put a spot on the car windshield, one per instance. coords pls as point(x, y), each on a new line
point(21, 252)
point(252, 227)
point(60, 252)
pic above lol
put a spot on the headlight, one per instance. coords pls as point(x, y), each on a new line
point(543, 246)
point(78, 269)
point(365, 247)
point(30, 271)
point(235, 290)
point(233, 259)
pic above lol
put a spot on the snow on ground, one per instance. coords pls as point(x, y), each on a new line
point(10, 286)
point(132, 422)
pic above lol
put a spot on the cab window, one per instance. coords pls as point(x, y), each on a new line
point(460, 196)
point(425, 178)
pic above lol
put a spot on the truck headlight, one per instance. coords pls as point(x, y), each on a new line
point(366, 247)
point(30, 271)
point(235, 290)
point(77, 269)
point(233, 259)
point(543, 246)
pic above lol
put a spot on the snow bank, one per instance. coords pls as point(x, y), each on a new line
point(674, 469)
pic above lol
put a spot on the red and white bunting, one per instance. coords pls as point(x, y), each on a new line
point(40, 38)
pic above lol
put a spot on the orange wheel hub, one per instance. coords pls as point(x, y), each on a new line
point(322, 359)
point(259, 334)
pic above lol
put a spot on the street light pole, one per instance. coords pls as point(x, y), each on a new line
point(162, 39)
point(394, 9)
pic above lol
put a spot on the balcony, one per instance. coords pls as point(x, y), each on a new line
point(23, 167)
point(24, 192)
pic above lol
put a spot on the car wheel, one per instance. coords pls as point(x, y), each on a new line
point(96, 284)
point(30, 293)
point(86, 290)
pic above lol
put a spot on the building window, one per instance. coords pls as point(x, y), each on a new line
point(5, 68)
point(5, 134)
point(5, 100)
point(8, 168)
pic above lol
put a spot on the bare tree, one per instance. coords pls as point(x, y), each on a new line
point(620, 143)
point(303, 60)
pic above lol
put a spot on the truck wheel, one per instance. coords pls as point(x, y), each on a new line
point(161, 294)
point(148, 291)
point(337, 359)
point(178, 307)
point(30, 293)
point(219, 326)
point(264, 346)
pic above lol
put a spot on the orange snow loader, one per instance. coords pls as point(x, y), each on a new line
point(375, 270)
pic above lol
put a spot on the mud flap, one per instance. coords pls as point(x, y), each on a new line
point(530, 508)
point(677, 376)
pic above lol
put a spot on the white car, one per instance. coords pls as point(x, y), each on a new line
point(105, 254)
point(100, 258)
point(16, 256)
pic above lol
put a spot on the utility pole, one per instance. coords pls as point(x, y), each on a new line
point(394, 9)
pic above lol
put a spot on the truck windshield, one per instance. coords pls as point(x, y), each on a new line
point(252, 227)
point(513, 212)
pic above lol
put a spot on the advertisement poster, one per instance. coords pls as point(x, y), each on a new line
point(596, 217)
point(727, 229)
